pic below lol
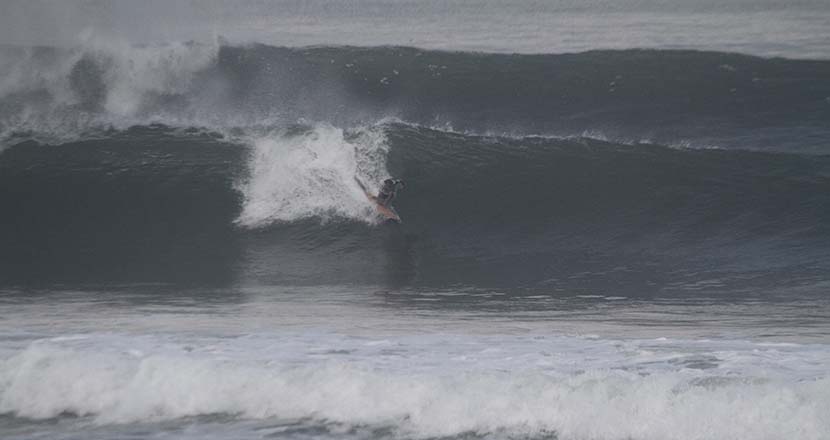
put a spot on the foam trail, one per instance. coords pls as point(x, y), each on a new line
point(311, 174)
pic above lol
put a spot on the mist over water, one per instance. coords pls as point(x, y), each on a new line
point(615, 220)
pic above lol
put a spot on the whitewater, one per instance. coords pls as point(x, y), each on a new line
point(615, 220)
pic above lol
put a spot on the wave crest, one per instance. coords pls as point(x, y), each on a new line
point(704, 98)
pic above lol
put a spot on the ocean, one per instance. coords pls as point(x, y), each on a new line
point(615, 220)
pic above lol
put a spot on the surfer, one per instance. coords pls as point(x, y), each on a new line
point(383, 201)
point(389, 191)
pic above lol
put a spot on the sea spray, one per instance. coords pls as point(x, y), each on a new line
point(312, 172)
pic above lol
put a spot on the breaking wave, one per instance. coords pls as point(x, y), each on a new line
point(666, 97)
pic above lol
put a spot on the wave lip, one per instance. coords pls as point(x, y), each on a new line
point(701, 98)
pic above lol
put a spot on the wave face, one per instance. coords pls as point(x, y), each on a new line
point(155, 204)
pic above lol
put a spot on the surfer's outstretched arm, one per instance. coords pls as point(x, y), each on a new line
point(360, 184)
point(365, 190)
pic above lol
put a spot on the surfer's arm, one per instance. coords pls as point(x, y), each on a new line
point(365, 190)
point(360, 184)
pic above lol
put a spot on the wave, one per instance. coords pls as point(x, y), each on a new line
point(665, 96)
point(565, 214)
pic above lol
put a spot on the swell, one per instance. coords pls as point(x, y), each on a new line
point(153, 204)
point(665, 96)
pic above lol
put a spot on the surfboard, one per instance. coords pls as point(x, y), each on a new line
point(387, 213)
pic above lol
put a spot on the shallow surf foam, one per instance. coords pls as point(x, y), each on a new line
point(432, 386)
